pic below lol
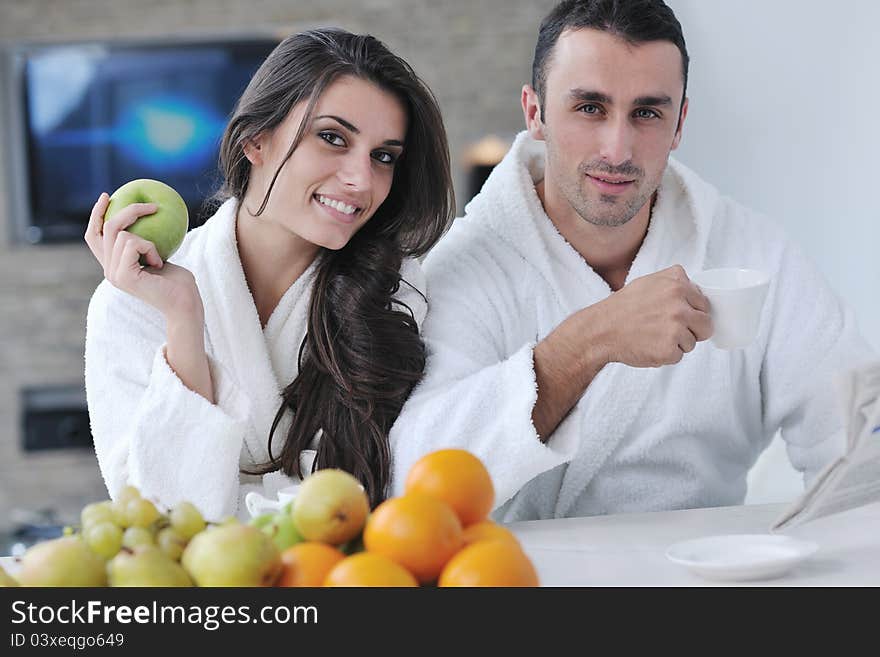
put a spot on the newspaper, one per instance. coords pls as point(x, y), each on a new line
point(853, 479)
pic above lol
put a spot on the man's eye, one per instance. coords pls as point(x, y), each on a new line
point(646, 114)
point(332, 138)
point(384, 157)
point(590, 109)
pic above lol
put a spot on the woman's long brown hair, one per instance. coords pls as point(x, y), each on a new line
point(362, 355)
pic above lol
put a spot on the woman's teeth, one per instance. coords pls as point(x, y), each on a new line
point(336, 205)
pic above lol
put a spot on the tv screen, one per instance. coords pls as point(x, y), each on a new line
point(95, 116)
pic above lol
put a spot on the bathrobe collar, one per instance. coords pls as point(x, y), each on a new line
point(236, 333)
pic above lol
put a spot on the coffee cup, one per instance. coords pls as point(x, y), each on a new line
point(736, 299)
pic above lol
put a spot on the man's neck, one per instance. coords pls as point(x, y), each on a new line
point(609, 250)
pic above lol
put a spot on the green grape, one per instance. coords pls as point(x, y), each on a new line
point(186, 520)
point(127, 494)
point(171, 543)
point(104, 538)
point(95, 513)
point(120, 505)
point(120, 517)
point(141, 513)
point(134, 536)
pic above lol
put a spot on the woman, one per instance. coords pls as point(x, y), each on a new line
point(284, 334)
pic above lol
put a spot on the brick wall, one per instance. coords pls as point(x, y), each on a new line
point(474, 55)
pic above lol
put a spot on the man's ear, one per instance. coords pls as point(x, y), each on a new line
point(677, 139)
point(531, 105)
point(253, 149)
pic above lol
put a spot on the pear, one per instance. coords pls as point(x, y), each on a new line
point(331, 507)
point(65, 561)
point(146, 565)
point(232, 555)
point(6, 579)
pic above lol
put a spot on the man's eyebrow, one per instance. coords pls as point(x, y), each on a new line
point(653, 100)
point(352, 128)
point(587, 95)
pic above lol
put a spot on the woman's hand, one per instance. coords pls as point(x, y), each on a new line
point(167, 287)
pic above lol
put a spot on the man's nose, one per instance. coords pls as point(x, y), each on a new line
point(617, 141)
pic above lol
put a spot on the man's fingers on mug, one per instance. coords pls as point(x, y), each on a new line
point(696, 299)
point(701, 325)
point(677, 272)
point(687, 341)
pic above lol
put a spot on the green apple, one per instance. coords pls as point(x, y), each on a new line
point(167, 226)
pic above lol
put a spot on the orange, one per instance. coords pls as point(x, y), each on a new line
point(491, 562)
point(307, 564)
point(368, 569)
point(487, 529)
point(418, 532)
point(457, 477)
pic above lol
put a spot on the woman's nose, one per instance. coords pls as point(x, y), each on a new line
point(356, 171)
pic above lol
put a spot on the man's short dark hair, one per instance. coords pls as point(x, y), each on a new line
point(635, 21)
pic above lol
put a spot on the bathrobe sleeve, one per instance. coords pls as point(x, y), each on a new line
point(479, 387)
point(149, 429)
point(812, 339)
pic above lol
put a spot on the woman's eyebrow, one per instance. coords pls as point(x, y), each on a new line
point(352, 128)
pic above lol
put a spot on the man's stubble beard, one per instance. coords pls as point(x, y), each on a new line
point(609, 211)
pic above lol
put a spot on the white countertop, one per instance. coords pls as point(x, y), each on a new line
point(629, 549)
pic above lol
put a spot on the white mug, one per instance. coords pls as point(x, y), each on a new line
point(736, 299)
point(257, 505)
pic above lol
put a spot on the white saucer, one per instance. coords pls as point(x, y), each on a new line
point(741, 557)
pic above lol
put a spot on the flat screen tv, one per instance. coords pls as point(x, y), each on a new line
point(87, 117)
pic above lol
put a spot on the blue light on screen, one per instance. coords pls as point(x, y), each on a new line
point(164, 133)
point(169, 133)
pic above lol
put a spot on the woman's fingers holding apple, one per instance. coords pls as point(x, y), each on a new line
point(95, 228)
point(122, 220)
point(124, 269)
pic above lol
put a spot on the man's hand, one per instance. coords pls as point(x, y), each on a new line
point(654, 320)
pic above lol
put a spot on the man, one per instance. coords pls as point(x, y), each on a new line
point(567, 344)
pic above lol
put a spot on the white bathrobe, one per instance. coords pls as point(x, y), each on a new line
point(153, 432)
point(674, 437)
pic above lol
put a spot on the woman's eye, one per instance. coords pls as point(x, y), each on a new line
point(332, 138)
point(384, 157)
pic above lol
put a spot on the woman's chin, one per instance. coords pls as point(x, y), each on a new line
point(332, 242)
